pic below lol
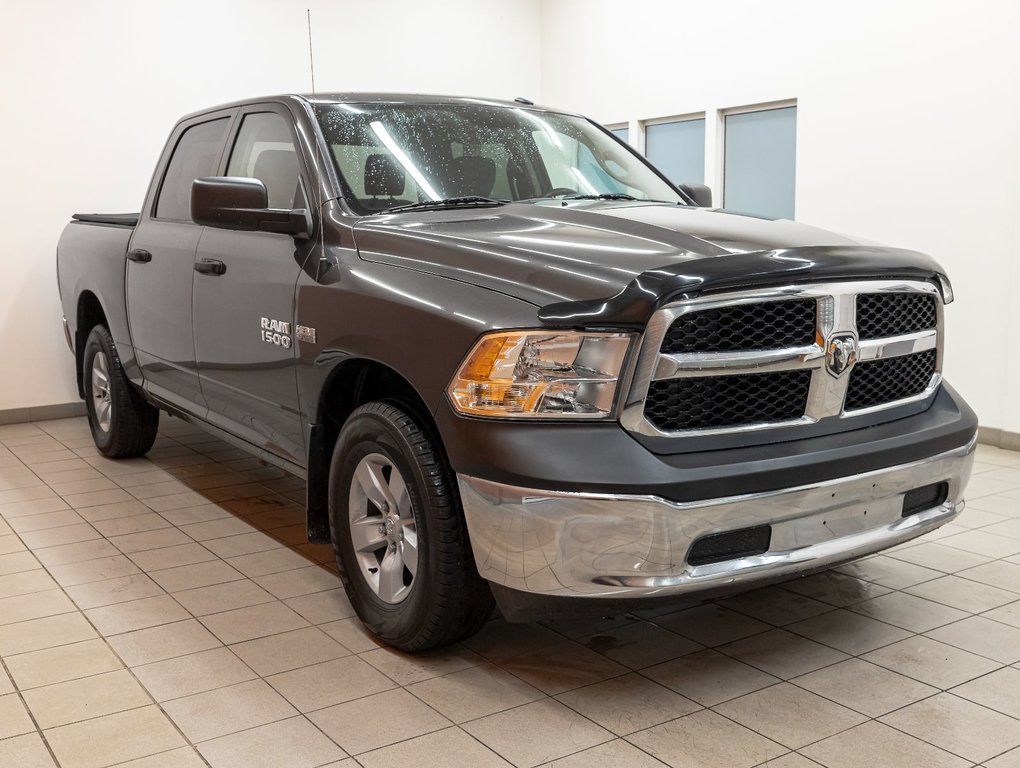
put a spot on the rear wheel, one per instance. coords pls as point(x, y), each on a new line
point(399, 535)
point(122, 423)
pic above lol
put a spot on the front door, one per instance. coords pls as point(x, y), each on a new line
point(160, 267)
point(245, 339)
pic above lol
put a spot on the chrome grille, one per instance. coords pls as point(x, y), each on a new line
point(767, 325)
point(893, 314)
point(771, 358)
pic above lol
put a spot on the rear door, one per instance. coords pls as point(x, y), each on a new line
point(160, 267)
point(245, 341)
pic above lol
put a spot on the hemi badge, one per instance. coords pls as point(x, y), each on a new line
point(304, 333)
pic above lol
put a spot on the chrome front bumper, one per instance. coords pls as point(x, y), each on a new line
point(613, 546)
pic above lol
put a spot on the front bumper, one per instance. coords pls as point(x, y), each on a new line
point(601, 545)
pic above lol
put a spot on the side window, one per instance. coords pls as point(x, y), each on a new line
point(195, 156)
point(264, 151)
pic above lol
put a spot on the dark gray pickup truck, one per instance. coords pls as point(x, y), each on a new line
point(512, 360)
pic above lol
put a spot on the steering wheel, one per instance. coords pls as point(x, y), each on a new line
point(559, 192)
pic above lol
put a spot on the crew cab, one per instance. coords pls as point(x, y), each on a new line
point(512, 360)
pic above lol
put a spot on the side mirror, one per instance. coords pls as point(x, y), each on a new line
point(699, 193)
point(234, 202)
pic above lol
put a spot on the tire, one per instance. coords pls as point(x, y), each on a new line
point(122, 423)
point(424, 590)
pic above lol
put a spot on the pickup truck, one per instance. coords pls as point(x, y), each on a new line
point(513, 362)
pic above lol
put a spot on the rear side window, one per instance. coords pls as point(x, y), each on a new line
point(264, 151)
point(195, 156)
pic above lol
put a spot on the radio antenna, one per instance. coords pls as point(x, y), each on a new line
point(311, 57)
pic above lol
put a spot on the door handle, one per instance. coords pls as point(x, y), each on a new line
point(210, 267)
point(140, 256)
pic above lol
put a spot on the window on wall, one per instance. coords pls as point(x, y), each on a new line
point(760, 163)
point(622, 133)
point(677, 149)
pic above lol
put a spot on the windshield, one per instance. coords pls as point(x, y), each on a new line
point(391, 155)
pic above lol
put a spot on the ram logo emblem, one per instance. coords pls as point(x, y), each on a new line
point(841, 354)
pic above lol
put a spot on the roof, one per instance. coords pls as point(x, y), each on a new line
point(376, 98)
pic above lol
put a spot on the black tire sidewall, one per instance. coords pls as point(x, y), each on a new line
point(97, 342)
point(367, 433)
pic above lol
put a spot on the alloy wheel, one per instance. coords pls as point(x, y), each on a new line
point(103, 401)
point(382, 528)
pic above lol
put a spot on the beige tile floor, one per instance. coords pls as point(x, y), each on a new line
point(166, 612)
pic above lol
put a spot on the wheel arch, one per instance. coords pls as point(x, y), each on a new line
point(350, 384)
point(88, 314)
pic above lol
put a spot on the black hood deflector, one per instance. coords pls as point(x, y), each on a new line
point(635, 304)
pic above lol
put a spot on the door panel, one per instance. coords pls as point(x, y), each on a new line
point(244, 338)
point(243, 318)
point(159, 280)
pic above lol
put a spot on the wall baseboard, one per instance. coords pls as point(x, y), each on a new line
point(42, 412)
point(999, 438)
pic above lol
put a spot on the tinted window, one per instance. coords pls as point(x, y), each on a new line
point(195, 156)
point(265, 151)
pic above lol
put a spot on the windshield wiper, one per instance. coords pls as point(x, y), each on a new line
point(468, 201)
point(603, 196)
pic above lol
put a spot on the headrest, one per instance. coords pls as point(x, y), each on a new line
point(278, 170)
point(383, 177)
point(471, 175)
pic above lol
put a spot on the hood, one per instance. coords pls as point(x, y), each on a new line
point(564, 257)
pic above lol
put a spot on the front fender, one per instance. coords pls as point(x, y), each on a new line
point(418, 324)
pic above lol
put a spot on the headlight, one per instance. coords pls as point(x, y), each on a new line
point(541, 374)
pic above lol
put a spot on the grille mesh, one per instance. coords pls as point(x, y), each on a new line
point(765, 325)
point(881, 381)
point(729, 545)
point(890, 314)
point(726, 401)
point(926, 497)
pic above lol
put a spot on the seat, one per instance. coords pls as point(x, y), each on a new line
point(278, 170)
point(471, 175)
point(383, 179)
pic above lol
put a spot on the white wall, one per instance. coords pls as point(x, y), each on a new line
point(91, 90)
point(908, 128)
point(908, 119)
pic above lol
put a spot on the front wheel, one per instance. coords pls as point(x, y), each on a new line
point(122, 423)
point(398, 533)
